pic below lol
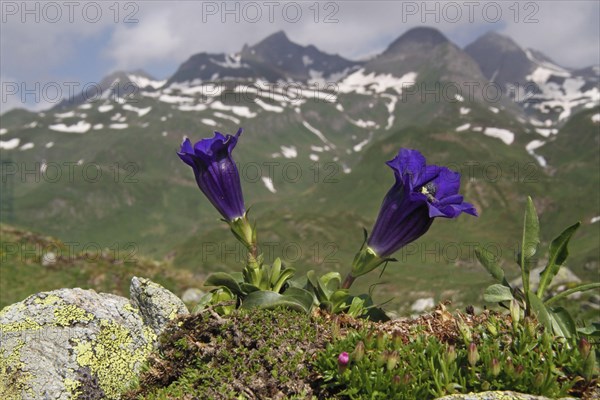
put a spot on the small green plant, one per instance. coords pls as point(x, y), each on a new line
point(492, 354)
point(527, 301)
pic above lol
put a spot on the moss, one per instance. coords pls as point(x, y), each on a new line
point(65, 316)
point(110, 357)
point(250, 354)
point(13, 380)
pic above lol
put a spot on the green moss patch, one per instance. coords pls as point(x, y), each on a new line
point(252, 354)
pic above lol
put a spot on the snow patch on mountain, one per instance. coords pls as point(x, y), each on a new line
point(118, 126)
point(3, 131)
point(190, 107)
point(143, 82)
point(68, 114)
point(140, 111)
point(464, 110)
point(85, 106)
point(167, 98)
point(231, 61)
point(241, 111)
point(9, 144)
point(209, 122)
point(536, 144)
point(269, 184)
point(596, 118)
point(313, 157)
point(371, 83)
point(503, 134)
point(289, 152)
point(267, 106)
point(463, 127)
point(546, 132)
point(27, 146)
point(79, 127)
point(228, 117)
point(105, 108)
point(391, 106)
point(318, 134)
point(359, 146)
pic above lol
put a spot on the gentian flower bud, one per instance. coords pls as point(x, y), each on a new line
point(584, 348)
point(472, 354)
point(495, 367)
point(359, 351)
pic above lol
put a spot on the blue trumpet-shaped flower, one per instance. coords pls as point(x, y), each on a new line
point(421, 193)
point(216, 173)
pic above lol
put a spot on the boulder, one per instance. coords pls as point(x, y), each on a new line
point(75, 343)
point(192, 295)
point(422, 305)
point(496, 395)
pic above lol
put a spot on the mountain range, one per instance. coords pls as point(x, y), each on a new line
point(317, 131)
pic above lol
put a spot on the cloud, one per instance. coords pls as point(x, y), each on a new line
point(166, 34)
point(154, 40)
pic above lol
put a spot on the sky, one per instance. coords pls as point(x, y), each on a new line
point(51, 48)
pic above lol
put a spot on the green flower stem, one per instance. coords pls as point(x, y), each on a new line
point(245, 232)
point(580, 288)
point(348, 281)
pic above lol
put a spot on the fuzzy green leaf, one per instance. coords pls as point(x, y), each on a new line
point(497, 293)
point(540, 310)
point(223, 279)
point(562, 322)
point(490, 263)
point(557, 256)
point(529, 244)
point(296, 299)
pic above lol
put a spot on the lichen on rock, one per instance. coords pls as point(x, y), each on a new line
point(75, 343)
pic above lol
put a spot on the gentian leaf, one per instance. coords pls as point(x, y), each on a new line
point(557, 256)
point(224, 279)
point(490, 263)
point(530, 241)
point(497, 293)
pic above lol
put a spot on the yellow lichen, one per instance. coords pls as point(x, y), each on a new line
point(72, 387)
point(48, 300)
point(65, 316)
point(13, 380)
point(111, 357)
point(130, 308)
point(24, 325)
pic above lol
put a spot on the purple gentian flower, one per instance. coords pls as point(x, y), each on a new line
point(421, 193)
point(216, 173)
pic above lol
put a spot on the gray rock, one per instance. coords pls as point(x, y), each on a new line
point(157, 305)
point(564, 277)
point(497, 395)
point(49, 259)
point(192, 295)
point(72, 343)
point(422, 305)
